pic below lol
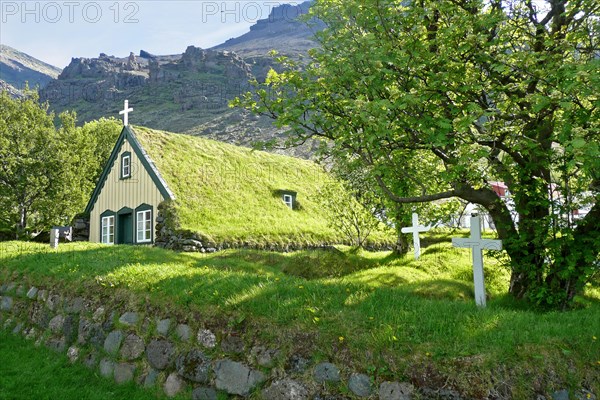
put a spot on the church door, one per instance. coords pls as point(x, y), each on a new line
point(125, 228)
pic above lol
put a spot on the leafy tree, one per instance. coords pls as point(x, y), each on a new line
point(464, 93)
point(100, 137)
point(27, 151)
point(83, 151)
point(346, 215)
point(46, 174)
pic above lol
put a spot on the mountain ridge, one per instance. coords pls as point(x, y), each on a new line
point(188, 92)
point(18, 68)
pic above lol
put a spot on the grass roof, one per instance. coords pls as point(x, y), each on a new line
point(234, 194)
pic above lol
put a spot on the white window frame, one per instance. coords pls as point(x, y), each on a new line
point(108, 230)
point(143, 227)
point(288, 200)
point(126, 167)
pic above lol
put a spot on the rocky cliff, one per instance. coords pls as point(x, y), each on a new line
point(283, 31)
point(12, 91)
point(167, 92)
point(188, 92)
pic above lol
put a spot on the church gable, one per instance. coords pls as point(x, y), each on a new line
point(123, 206)
point(130, 158)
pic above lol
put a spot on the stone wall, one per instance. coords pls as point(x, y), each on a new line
point(183, 357)
point(81, 228)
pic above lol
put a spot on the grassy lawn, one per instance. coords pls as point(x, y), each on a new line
point(393, 318)
point(27, 372)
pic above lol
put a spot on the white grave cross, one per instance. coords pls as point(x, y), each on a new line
point(478, 244)
point(415, 229)
point(125, 113)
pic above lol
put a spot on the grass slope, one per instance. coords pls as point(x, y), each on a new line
point(232, 194)
point(27, 372)
point(393, 318)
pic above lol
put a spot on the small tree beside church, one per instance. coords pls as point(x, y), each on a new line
point(346, 214)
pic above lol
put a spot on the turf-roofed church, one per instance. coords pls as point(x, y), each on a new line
point(185, 192)
point(124, 203)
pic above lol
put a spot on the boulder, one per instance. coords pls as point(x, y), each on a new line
point(32, 293)
point(286, 389)
point(396, 391)
point(70, 328)
point(560, 395)
point(133, 347)
point(83, 331)
point(326, 372)
point(160, 353)
point(41, 316)
point(236, 378)
point(73, 353)
point(207, 339)
point(42, 295)
point(99, 314)
point(19, 327)
point(129, 318)
point(124, 372)
point(113, 341)
point(264, 357)
point(90, 360)
point(53, 302)
point(194, 365)
point(204, 393)
point(360, 385)
point(56, 324)
point(149, 379)
point(107, 367)
point(297, 364)
point(173, 385)
point(97, 336)
point(57, 344)
point(162, 326)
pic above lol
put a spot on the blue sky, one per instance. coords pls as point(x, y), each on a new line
point(55, 31)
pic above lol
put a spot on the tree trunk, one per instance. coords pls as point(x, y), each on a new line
point(402, 219)
point(22, 224)
point(401, 246)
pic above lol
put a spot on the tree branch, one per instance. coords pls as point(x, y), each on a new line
point(413, 199)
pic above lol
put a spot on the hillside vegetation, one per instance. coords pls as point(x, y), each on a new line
point(392, 318)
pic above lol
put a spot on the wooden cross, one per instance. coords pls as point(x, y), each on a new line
point(478, 244)
point(415, 229)
point(125, 113)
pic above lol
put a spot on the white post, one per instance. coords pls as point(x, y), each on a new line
point(54, 238)
point(415, 229)
point(125, 112)
point(477, 244)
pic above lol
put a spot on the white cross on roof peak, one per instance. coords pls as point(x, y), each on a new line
point(125, 112)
